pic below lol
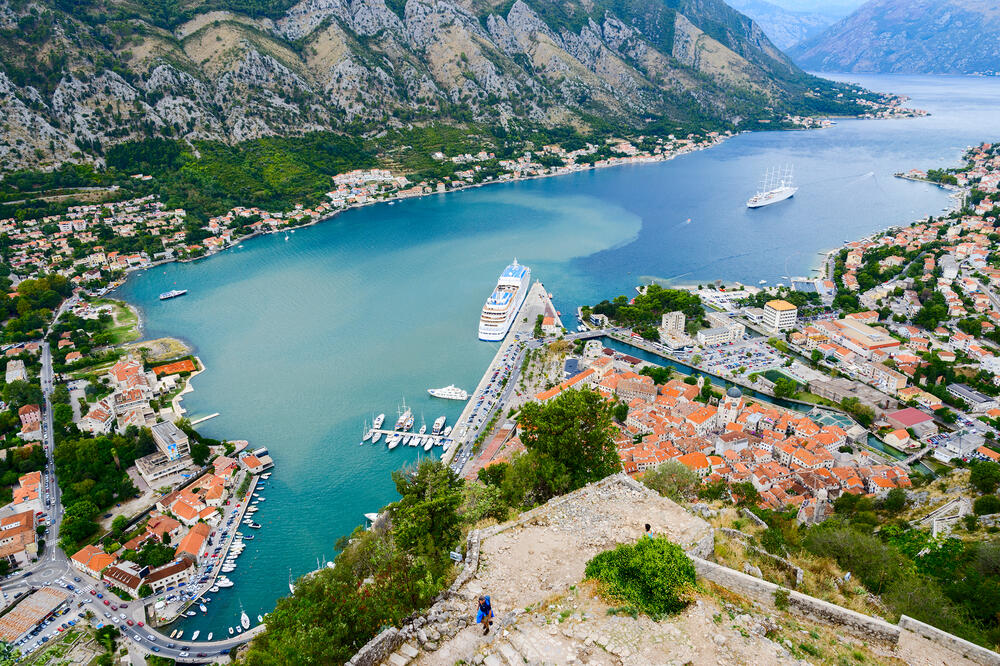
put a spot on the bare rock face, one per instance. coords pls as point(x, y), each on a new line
point(73, 85)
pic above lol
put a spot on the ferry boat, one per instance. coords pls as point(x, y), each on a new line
point(450, 392)
point(775, 187)
point(504, 303)
point(438, 425)
point(173, 293)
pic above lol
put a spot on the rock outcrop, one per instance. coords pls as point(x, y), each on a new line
point(73, 82)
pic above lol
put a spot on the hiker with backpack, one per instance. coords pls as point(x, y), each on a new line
point(484, 614)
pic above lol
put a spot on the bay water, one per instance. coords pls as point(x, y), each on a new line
point(305, 339)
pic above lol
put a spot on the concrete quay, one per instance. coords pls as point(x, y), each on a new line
point(491, 390)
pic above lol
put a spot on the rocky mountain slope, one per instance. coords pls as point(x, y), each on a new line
point(76, 75)
point(911, 36)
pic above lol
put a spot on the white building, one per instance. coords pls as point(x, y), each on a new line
point(672, 324)
point(780, 315)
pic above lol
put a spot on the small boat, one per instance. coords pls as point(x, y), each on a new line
point(376, 437)
point(230, 631)
point(428, 444)
point(244, 618)
point(203, 608)
point(190, 613)
point(209, 636)
point(213, 589)
point(173, 634)
point(180, 633)
point(239, 630)
point(206, 599)
point(260, 618)
point(173, 293)
point(393, 441)
point(377, 423)
point(194, 636)
point(450, 392)
point(291, 586)
point(438, 425)
point(249, 537)
point(447, 431)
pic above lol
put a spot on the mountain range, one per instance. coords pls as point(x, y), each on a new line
point(909, 36)
point(78, 75)
point(786, 24)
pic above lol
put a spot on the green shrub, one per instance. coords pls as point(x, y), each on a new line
point(654, 575)
point(781, 597)
point(986, 505)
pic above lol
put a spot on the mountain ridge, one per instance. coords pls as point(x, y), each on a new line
point(78, 75)
point(909, 36)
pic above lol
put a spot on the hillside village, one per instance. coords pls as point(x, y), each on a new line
point(94, 245)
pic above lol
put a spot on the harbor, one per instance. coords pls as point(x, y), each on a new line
point(495, 385)
point(213, 578)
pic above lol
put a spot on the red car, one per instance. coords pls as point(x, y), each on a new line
point(107, 603)
point(93, 592)
point(128, 622)
point(59, 628)
point(139, 622)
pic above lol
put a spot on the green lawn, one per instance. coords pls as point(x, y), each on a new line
point(126, 326)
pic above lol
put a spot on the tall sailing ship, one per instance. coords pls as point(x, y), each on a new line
point(776, 186)
point(505, 302)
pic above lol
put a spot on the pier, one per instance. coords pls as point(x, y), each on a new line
point(492, 392)
point(439, 440)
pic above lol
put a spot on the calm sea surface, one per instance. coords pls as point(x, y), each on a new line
point(307, 338)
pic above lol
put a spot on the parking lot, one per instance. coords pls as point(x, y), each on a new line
point(753, 354)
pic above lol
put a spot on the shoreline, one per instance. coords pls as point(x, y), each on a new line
point(177, 400)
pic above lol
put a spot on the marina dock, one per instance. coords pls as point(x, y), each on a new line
point(439, 440)
point(167, 615)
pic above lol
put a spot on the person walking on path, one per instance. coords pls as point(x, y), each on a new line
point(648, 534)
point(484, 614)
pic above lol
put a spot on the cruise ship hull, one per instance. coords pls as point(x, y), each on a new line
point(504, 304)
point(774, 196)
point(495, 334)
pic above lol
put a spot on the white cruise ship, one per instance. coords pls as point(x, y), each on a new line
point(775, 187)
point(504, 303)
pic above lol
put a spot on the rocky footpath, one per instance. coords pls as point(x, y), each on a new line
point(533, 567)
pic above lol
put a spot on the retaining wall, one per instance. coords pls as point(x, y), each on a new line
point(970, 651)
point(869, 628)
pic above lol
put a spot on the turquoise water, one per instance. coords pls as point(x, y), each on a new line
point(305, 339)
